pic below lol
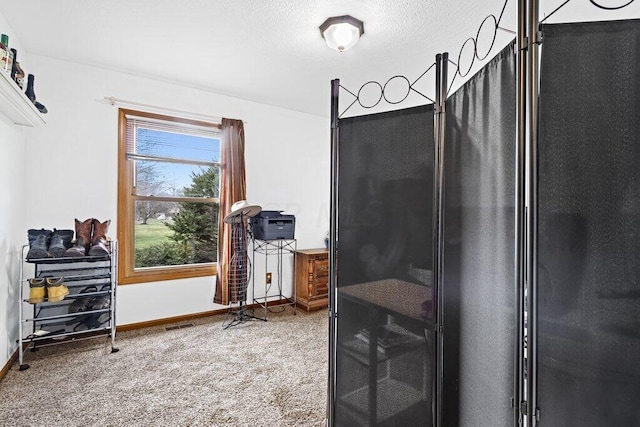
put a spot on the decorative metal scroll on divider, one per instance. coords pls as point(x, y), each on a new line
point(496, 27)
point(491, 19)
point(593, 2)
point(411, 86)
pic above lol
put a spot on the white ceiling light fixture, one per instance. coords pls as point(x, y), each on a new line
point(342, 32)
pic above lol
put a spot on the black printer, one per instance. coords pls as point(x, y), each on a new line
point(273, 225)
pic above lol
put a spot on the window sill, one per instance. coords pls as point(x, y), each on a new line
point(167, 273)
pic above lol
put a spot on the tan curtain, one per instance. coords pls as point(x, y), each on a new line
point(233, 187)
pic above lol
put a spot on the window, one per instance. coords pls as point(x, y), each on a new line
point(168, 197)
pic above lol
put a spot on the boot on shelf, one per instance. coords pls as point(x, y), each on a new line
point(36, 290)
point(56, 289)
point(82, 303)
point(38, 243)
point(19, 78)
point(83, 239)
point(60, 242)
point(17, 73)
point(32, 95)
point(99, 238)
point(14, 66)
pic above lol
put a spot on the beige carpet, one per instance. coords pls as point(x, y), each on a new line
point(270, 373)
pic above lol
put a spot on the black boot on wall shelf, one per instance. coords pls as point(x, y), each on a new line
point(17, 73)
point(14, 66)
point(19, 79)
point(32, 95)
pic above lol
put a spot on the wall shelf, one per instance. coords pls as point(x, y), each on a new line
point(15, 105)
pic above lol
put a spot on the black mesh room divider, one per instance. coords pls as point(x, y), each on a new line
point(478, 284)
point(385, 337)
point(589, 225)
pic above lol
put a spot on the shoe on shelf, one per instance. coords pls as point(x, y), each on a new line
point(100, 302)
point(36, 290)
point(82, 303)
point(83, 239)
point(95, 321)
point(38, 243)
point(99, 238)
point(32, 95)
point(56, 290)
point(41, 107)
point(60, 242)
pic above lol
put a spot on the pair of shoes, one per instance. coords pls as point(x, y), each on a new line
point(51, 288)
point(32, 95)
point(91, 238)
point(46, 243)
point(83, 303)
point(88, 303)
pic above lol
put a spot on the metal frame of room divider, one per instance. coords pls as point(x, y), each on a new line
point(441, 88)
point(519, 192)
point(439, 127)
point(528, 42)
point(528, 45)
point(526, 410)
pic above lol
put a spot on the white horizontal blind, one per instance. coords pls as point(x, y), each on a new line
point(151, 143)
point(136, 123)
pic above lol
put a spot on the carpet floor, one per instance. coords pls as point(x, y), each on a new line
point(257, 373)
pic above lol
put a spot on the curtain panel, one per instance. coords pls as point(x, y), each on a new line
point(233, 187)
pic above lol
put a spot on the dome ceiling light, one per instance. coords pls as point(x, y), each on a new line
point(341, 32)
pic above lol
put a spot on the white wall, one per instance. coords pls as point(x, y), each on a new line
point(287, 158)
point(13, 232)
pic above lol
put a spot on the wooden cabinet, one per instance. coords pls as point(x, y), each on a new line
point(312, 278)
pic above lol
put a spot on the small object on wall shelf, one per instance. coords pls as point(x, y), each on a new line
point(15, 106)
point(312, 278)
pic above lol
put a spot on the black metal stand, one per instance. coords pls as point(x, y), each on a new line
point(277, 248)
point(239, 271)
point(241, 315)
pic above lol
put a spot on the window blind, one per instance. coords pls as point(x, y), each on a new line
point(159, 148)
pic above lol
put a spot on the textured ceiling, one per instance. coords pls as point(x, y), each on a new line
point(268, 51)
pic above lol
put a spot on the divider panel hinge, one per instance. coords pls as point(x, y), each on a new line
point(523, 407)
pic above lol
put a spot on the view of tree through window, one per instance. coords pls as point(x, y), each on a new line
point(168, 197)
point(175, 191)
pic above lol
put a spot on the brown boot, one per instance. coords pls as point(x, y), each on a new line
point(99, 238)
point(83, 239)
